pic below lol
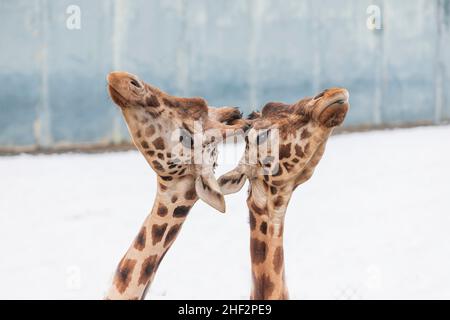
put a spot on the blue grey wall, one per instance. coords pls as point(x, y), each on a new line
point(232, 52)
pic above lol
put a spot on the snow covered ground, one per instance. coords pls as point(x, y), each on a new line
point(373, 222)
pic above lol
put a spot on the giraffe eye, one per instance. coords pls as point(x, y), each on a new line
point(135, 83)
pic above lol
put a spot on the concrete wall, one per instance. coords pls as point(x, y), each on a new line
point(232, 52)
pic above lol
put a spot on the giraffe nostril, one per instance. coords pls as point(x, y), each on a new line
point(135, 83)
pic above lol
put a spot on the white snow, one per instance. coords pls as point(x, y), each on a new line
point(372, 223)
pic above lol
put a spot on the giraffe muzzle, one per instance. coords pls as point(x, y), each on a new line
point(333, 107)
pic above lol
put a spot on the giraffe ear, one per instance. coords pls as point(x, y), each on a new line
point(232, 181)
point(209, 191)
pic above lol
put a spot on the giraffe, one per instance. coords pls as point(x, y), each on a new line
point(283, 147)
point(178, 138)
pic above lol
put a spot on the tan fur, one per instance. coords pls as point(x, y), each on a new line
point(297, 134)
point(164, 128)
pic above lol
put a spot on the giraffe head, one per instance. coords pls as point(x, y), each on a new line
point(177, 136)
point(286, 142)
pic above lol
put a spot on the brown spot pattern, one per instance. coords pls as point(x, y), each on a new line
point(287, 166)
point(158, 232)
point(305, 134)
point(263, 227)
point(149, 131)
point(285, 151)
point(263, 287)
point(152, 101)
point(299, 151)
point(147, 269)
point(307, 147)
point(190, 194)
point(123, 274)
point(139, 242)
point(159, 143)
point(258, 250)
point(278, 259)
point(278, 201)
point(273, 190)
point(162, 210)
point(158, 166)
point(252, 221)
point(181, 211)
point(171, 234)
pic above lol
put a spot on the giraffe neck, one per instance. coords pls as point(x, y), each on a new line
point(138, 267)
point(266, 244)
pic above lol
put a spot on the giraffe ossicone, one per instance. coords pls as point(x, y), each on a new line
point(283, 147)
